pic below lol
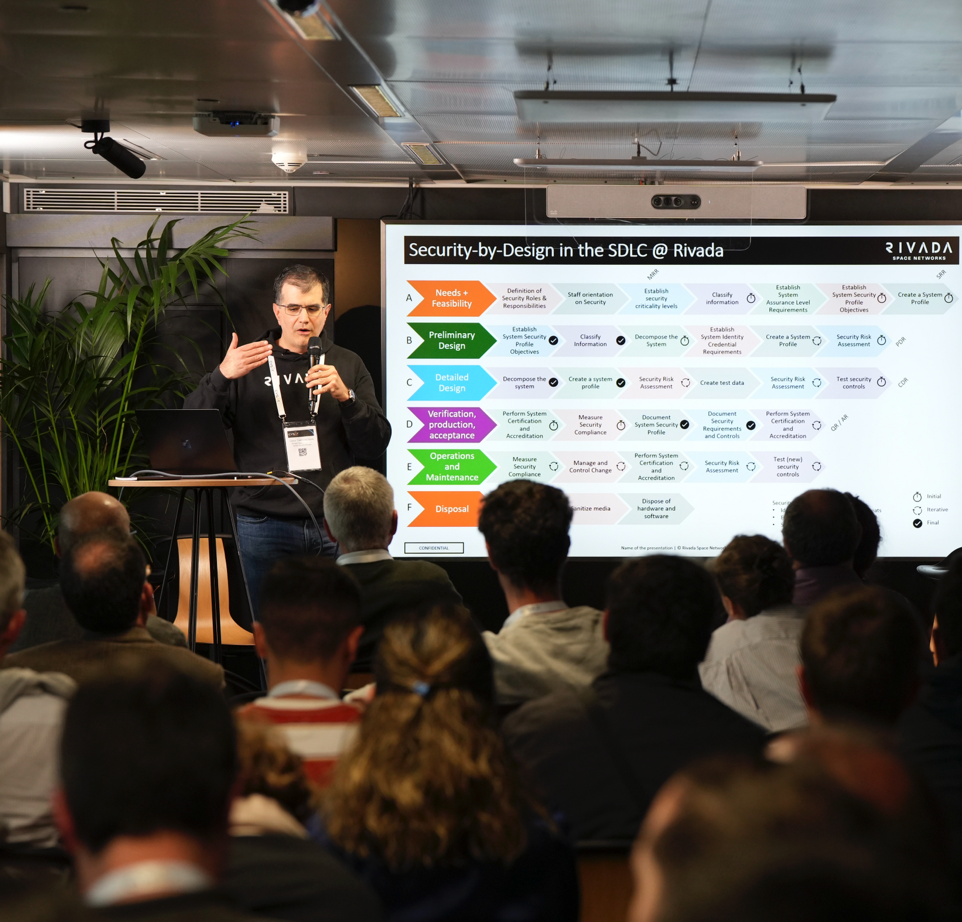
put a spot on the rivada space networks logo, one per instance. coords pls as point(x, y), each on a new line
point(923, 249)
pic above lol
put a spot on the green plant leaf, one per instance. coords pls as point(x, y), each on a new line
point(72, 379)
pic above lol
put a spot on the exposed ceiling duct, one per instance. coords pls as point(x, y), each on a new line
point(589, 107)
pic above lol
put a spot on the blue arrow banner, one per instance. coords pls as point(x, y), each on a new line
point(451, 382)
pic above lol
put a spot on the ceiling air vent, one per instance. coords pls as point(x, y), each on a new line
point(425, 154)
point(141, 201)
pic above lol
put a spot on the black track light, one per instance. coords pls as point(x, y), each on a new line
point(299, 7)
point(126, 161)
point(114, 153)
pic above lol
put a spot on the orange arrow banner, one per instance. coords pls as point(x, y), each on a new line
point(451, 299)
point(450, 508)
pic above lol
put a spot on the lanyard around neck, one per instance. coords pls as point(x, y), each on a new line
point(279, 400)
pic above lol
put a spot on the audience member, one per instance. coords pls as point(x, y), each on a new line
point(427, 805)
point(272, 868)
point(26, 903)
point(821, 533)
point(103, 578)
point(359, 515)
point(868, 544)
point(752, 661)
point(812, 882)
point(930, 731)
point(862, 762)
point(860, 657)
point(544, 645)
point(48, 617)
point(148, 764)
point(717, 819)
point(32, 705)
point(601, 755)
point(308, 634)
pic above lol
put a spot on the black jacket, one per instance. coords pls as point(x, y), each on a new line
point(346, 431)
point(295, 880)
point(204, 906)
point(49, 619)
point(659, 725)
point(390, 587)
point(540, 885)
point(930, 741)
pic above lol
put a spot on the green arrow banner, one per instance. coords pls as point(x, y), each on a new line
point(460, 466)
point(451, 341)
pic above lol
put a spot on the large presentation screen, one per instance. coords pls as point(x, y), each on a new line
point(680, 384)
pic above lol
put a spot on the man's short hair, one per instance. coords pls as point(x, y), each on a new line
point(661, 611)
point(526, 527)
point(820, 528)
point(12, 577)
point(727, 802)
point(303, 278)
point(358, 508)
point(102, 578)
point(728, 813)
point(948, 608)
point(144, 752)
point(861, 649)
point(308, 607)
point(755, 572)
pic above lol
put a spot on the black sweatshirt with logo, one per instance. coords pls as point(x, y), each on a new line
point(346, 432)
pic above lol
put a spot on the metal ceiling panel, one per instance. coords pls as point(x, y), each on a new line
point(896, 69)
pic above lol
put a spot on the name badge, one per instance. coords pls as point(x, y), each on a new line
point(300, 440)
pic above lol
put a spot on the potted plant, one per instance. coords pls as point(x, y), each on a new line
point(72, 380)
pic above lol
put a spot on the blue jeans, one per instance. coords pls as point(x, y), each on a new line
point(262, 541)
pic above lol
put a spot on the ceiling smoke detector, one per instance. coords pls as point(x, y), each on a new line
point(289, 159)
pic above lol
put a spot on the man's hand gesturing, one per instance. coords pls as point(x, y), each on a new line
point(242, 359)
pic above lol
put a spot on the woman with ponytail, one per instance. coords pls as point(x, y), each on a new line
point(752, 660)
point(427, 805)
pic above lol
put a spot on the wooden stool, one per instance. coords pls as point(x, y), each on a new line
point(230, 631)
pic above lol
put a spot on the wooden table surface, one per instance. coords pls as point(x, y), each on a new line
point(200, 482)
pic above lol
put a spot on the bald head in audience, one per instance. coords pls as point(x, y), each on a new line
point(104, 580)
point(89, 512)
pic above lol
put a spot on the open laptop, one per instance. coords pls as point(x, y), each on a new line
point(186, 441)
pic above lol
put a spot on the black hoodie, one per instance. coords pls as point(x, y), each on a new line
point(345, 431)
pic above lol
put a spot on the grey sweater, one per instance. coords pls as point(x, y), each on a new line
point(545, 652)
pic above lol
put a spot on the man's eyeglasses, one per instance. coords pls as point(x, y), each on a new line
point(294, 309)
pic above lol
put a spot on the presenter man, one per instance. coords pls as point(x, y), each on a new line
point(309, 411)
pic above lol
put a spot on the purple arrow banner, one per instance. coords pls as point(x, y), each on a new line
point(452, 424)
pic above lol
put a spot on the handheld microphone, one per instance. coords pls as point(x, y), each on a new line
point(317, 358)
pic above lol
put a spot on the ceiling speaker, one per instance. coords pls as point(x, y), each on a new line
point(716, 202)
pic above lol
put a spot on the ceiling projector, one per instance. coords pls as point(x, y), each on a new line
point(237, 124)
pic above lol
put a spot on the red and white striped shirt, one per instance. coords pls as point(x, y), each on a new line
point(318, 728)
